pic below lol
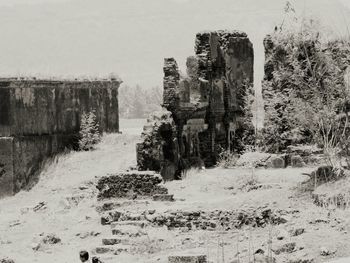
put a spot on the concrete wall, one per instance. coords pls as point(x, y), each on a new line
point(40, 118)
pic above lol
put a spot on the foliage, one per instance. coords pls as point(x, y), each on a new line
point(227, 159)
point(139, 102)
point(150, 152)
point(89, 132)
point(244, 137)
point(305, 94)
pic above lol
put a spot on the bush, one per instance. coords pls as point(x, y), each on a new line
point(89, 132)
point(305, 93)
point(227, 159)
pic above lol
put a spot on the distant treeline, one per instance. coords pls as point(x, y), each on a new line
point(138, 102)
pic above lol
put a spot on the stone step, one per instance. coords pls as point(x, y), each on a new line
point(112, 205)
point(187, 259)
point(115, 215)
point(111, 241)
point(111, 216)
point(128, 230)
point(140, 223)
point(110, 249)
point(163, 197)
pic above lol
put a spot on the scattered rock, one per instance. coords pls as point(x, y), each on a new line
point(7, 260)
point(96, 260)
point(326, 252)
point(51, 239)
point(163, 197)
point(40, 206)
point(259, 251)
point(319, 221)
point(111, 241)
point(297, 231)
point(285, 248)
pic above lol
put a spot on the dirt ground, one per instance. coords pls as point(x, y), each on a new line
point(64, 203)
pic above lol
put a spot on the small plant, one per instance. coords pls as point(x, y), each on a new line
point(227, 159)
point(89, 132)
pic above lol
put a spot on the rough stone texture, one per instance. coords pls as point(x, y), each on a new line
point(297, 161)
point(163, 197)
point(218, 219)
point(40, 118)
point(201, 220)
point(187, 259)
point(309, 154)
point(208, 107)
point(325, 174)
point(159, 149)
point(130, 184)
point(276, 162)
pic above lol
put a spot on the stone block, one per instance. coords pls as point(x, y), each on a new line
point(276, 162)
point(297, 161)
point(130, 184)
point(111, 241)
point(188, 259)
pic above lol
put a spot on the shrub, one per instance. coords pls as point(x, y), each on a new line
point(306, 95)
point(89, 132)
point(227, 159)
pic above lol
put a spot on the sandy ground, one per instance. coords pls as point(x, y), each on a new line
point(67, 190)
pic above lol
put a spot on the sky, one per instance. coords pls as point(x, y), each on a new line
point(66, 38)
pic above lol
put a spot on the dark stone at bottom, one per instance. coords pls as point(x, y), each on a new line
point(187, 259)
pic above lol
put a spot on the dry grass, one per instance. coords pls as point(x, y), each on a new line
point(334, 194)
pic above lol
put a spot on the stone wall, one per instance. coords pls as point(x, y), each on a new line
point(40, 118)
point(209, 106)
point(130, 185)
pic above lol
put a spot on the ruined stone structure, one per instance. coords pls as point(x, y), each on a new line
point(39, 118)
point(209, 106)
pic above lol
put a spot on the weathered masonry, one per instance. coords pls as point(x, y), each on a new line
point(207, 106)
point(40, 118)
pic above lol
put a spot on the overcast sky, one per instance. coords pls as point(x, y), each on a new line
point(131, 37)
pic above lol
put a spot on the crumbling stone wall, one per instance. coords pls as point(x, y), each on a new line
point(209, 106)
point(159, 148)
point(39, 118)
point(130, 184)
